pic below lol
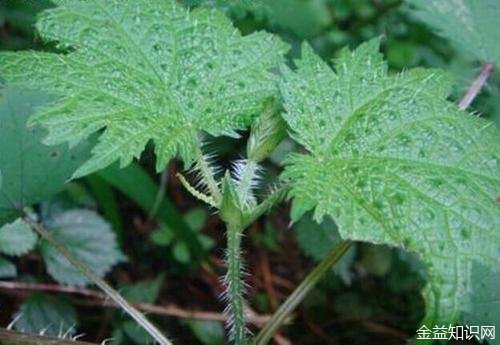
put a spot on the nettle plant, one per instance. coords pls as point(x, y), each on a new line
point(386, 156)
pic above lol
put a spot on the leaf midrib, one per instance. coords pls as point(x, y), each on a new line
point(369, 160)
point(399, 83)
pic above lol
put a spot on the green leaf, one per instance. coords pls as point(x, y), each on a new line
point(230, 210)
point(17, 238)
point(31, 171)
point(89, 238)
point(393, 162)
point(7, 268)
point(303, 18)
point(485, 298)
point(135, 333)
point(471, 25)
point(146, 291)
point(145, 70)
point(55, 317)
point(162, 236)
point(181, 252)
point(196, 218)
point(268, 130)
point(207, 332)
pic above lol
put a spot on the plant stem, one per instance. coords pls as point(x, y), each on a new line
point(207, 174)
point(275, 197)
point(476, 86)
point(107, 289)
point(8, 337)
point(208, 199)
point(235, 286)
point(247, 180)
point(301, 291)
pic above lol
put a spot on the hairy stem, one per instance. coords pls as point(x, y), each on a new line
point(476, 86)
point(194, 192)
point(207, 174)
point(107, 289)
point(247, 177)
point(235, 286)
point(274, 198)
point(9, 337)
point(301, 292)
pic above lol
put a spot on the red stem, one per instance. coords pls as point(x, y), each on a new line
point(476, 86)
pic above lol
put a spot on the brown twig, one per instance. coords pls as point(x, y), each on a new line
point(100, 299)
point(267, 278)
point(375, 326)
point(281, 340)
point(12, 285)
point(282, 282)
point(318, 332)
point(380, 328)
point(9, 337)
point(476, 86)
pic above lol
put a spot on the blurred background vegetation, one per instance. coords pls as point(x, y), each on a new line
point(170, 247)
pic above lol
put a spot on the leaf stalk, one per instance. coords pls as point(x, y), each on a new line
point(476, 86)
point(301, 292)
point(208, 176)
point(235, 287)
point(151, 329)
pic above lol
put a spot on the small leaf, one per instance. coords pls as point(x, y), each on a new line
point(89, 238)
point(17, 238)
point(162, 236)
point(7, 268)
point(230, 209)
point(135, 333)
point(471, 25)
point(181, 252)
point(393, 162)
point(194, 72)
point(268, 130)
point(31, 171)
point(196, 218)
point(207, 242)
point(207, 332)
point(146, 291)
point(53, 317)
